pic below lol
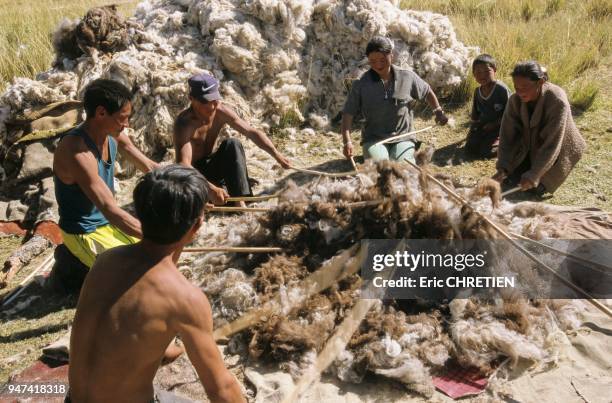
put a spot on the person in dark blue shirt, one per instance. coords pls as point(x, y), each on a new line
point(488, 106)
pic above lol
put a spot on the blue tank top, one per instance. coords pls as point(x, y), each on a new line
point(78, 215)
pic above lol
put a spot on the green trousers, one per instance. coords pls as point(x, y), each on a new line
point(404, 150)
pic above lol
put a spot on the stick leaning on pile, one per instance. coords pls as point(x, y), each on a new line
point(506, 236)
point(345, 264)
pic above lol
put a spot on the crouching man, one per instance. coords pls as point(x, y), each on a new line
point(134, 302)
point(196, 130)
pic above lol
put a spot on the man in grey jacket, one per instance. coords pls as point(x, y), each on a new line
point(383, 95)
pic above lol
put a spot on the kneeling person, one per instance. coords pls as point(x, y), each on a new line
point(84, 172)
point(135, 301)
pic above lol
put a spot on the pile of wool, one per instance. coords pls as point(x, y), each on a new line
point(294, 58)
point(281, 59)
point(408, 341)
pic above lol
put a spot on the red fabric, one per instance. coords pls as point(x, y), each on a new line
point(458, 382)
point(49, 230)
point(11, 228)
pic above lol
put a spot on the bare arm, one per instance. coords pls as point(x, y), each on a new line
point(345, 130)
point(85, 172)
point(433, 103)
point(134, 155)
point(256, 136)
point(196, 331)
point(182, 142)
point(184, 155)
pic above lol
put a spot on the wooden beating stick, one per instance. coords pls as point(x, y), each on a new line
point(505, 235)
point(233, 249)
point(399, 136)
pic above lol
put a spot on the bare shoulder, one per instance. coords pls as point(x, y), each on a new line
point(185, 125)
point(192, 306)
point(226, 113)
point(71, 156)
point(71, 145)
point(183, 118)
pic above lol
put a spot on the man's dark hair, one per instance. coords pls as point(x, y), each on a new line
point(169, 201)
point(530, 70)
point(109, 94)
point(485, 59)
point(379, 44)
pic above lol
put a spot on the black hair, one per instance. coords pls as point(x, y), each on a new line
point(531, 70)
point(169, 201)
point(379, 44)
point(485, 59)
point(109, 94)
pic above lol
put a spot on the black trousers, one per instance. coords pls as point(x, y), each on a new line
point(68, 273)
point(227, 167)
point(481, 144)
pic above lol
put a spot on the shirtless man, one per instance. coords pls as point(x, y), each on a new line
point(195, 133)
point(134, 302)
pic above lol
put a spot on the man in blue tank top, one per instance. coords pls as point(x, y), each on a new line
point(83, 167)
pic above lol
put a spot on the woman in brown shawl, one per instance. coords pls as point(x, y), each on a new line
point(539, 142)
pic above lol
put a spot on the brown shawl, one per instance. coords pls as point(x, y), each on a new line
point(550, 138)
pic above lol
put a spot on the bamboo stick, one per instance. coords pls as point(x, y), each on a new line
point(399, 136)
point(224, 209)
point(342, 335)
point(233, 249)
point(253, 198)
point(49, 261)
point(510, 191)
point(328, 174)
point(588, 262)
point(505, 235)
point(353, 163)
point(334, 346)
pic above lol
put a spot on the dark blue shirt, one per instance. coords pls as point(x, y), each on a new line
point(78, 215)
point(491, 108)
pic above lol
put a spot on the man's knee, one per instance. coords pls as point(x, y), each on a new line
point(232, 145)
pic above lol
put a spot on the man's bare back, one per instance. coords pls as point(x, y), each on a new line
point(125, 289)
point(131, 306)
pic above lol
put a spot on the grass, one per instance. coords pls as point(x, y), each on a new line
point(568, 37)
point(26, 28)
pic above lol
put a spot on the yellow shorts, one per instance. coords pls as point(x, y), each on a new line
point(87, 246)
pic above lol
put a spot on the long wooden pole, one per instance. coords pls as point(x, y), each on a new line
point(328, 174)
point(400, 136)
point(253, 198)
point(49, 261)
point(234, 249)
point(505, 235)
point(224, 209)
point(342, 335)
point(340, 266)
point(595, 265)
